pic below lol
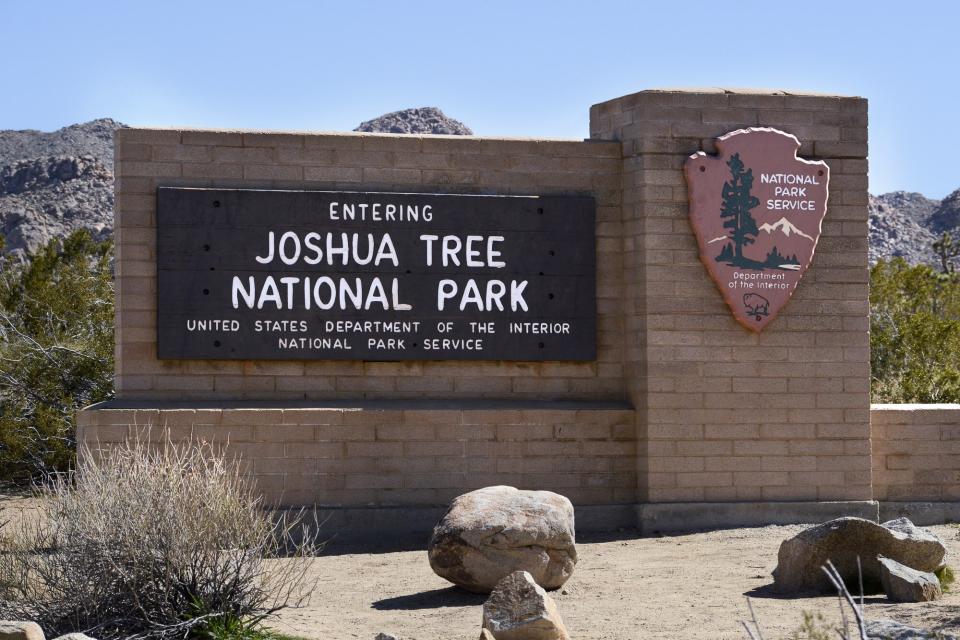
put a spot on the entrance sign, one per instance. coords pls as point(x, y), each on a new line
point(757, 211)
point(322, 275)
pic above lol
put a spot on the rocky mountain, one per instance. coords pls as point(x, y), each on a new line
point(907, 224)
point(53, 183)
point(422, 120)
point(899, 227)
point(946, 217)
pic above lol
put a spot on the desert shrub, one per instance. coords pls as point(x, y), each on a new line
point(914, 333)
point(154, 542)
point(946, 577)
point(815, 627)
point(56, 351)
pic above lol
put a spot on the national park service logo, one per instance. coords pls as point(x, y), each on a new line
point(757, 211)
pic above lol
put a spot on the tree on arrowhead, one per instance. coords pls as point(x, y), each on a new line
point(737, 202)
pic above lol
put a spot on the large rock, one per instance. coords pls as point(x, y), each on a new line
point(14, 630)
point(903, 584)
point(488, 534)
point(841, 541)
point(890, 630)
point(519, 609)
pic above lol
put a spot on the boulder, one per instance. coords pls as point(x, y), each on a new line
point(14, 630)
point(519, 609)
point(841, 541)
point(488, 534)
point(890, 630)
point(903, 584)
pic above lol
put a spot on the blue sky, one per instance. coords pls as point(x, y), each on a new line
point(503, 68)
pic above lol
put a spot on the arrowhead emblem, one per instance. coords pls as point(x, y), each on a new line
point(757, 211)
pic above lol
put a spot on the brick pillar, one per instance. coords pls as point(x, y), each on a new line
point(726, 415)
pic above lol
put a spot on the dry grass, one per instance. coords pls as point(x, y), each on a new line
point(152, 542)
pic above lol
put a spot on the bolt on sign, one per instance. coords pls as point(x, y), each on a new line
point(303, 275)
point(757, 211)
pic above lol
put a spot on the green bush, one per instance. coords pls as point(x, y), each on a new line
point(914, 333)
point(56, 351)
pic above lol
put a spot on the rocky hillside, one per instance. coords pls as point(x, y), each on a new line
point(53, 183)
point(904, 224)
point(422, 120)
point(898, 227)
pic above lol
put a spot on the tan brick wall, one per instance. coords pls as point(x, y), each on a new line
point(727, 415)
point(916, 452)
point(400, 457)
point(720, 414)
point(148, 158)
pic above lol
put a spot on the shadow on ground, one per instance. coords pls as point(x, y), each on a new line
point(767, 592)
point(433, 599)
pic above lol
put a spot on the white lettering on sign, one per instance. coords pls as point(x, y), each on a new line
point(787, 178)
point(350, 248)
point(792, 197)
point(450, 253)
point(471, 296)
point(324, 292)
point(378, 212)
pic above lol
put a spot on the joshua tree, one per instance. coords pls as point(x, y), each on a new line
point(946, 249)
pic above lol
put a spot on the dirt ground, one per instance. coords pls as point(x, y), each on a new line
point(684, 587)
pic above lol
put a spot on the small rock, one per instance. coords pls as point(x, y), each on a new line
point(386, 636)
point(519, 609)
point(903, 584)
point(841, 541)
point(13, 630)
point(74, 636)
point(488, 534)
point(890, 630)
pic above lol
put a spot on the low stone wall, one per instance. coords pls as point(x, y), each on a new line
point(373, 461)
point(420, 456)
point(916, 452)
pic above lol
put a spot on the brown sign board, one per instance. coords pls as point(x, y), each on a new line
point(757, 211)
point(324, 275)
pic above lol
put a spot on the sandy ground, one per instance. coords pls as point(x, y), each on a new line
point(681, 587)
point(689, 587)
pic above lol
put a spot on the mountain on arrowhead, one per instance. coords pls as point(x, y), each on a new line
point(421, 120)
point(785, 227)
